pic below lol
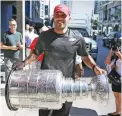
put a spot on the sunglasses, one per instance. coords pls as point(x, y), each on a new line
point(12, 24)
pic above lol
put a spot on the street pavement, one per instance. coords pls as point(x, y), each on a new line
point(83, 107)
point(102, 53)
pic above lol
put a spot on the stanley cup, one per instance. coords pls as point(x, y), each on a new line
point(49, 89)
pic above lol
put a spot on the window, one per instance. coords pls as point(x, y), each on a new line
point(65, 2)
point(46, 9)
point(35, 13)
point(14, 10)
point(109, 14)
point(42, 7)
point(94, 27)
point(41, 13)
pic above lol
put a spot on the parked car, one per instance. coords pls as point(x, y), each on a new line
point(108, 40)
point(90, 43)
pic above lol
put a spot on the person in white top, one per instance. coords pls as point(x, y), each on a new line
point(29, 38)
point(32, 35)
point(115, 88)
point(45, 27)
point(79, 71)
point(27, 30)
point(27, 26)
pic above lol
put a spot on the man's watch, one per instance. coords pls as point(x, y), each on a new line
point(94, 67)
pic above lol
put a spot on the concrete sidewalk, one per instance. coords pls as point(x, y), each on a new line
point(83, 107)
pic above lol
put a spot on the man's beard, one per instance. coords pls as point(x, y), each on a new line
point(60, 26)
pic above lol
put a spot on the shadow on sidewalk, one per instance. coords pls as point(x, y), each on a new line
point(82, 112)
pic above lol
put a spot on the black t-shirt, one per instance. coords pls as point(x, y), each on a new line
point(11, 39)
point(60, 50)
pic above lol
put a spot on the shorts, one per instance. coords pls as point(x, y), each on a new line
point(116, 88)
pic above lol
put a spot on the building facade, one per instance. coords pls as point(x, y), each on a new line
point(42, 10)
point(11, 9)
point(28, 20)
point(67, 2)
point(109, 15)
point(37, 13)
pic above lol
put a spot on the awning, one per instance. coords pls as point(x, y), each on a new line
point(27, 18)
point(8, 2)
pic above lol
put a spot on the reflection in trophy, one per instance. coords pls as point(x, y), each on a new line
point(49, 89)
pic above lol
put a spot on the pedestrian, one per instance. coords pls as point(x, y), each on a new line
point(60, 47)
point(32, 34)
point(104, 35)
point(11, 44)
point(45, 27)
point(114, 60)
point(79, 71)
point(27, 26)
point(29, 38)
point(94, 36)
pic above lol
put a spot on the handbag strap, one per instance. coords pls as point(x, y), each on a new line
point(115, 63)
point(115, 60)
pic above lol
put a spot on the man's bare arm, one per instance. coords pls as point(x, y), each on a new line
point(2, 46)
point(88, 60)
point(32, 57)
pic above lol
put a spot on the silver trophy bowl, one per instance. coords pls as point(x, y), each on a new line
point(49, 89)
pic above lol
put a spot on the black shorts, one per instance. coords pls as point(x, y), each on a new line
point(64, 111)
point(116, 88)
